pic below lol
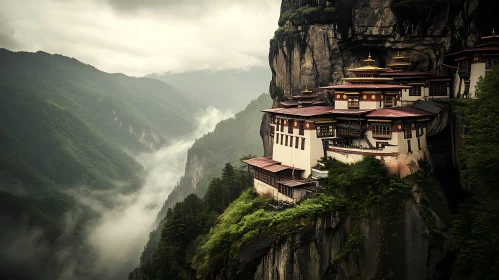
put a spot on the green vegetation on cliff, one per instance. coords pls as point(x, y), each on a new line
point(360, 190)
point(308, 15)
point(474, 235)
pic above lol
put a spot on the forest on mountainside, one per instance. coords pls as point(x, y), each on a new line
point(65, 126)
point(139, 114)
point(170, 249)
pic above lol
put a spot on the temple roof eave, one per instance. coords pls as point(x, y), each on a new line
point(366, 86)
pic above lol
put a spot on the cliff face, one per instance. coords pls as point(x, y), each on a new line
point(315, 55)
point(397, 246)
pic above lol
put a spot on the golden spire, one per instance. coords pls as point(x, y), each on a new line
point(492, 36)
point(398, 62)
point(369, 61)
point(306, 90)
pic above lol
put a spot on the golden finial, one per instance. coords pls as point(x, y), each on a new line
point(306, 90)
point(369, 61)
point(492, 36)
point(398, 56)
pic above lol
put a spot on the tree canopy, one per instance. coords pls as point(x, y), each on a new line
point(475, 231)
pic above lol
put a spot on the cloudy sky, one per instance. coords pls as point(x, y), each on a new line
point(138, 37)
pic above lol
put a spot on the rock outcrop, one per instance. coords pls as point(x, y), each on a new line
point(396, 247)
point(321, 54)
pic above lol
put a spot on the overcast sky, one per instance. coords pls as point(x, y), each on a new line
point(138, 37)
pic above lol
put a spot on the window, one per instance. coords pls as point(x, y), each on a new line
point(438, 89)
point(277, 138)
point(297, 140)
point(353, 102)
point(409, 150)
point(301, 127)
point(290, 126)
point(419, 143)
point(407, 131)
point(282, 126)
point(419, 130)
point(349, 129)
point(325, 131)
point(390, 101)
point(303, 143)
point(282, 139)
point(464, 66)
point(415, 91)
point(491, 61)
point(286, 141)
point(277, 125)
point(291, 142)
point(382, 130)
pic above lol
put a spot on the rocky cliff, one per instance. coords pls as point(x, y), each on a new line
point(404, 243)
point(307, 53)
point(313, 53)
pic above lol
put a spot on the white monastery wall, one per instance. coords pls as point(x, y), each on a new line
point(267, 190)
point(477, 70)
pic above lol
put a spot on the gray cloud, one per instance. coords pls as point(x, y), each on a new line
point(7, 34)
point(141, 37)
point(186, 6)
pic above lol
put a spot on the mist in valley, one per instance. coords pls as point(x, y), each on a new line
point(111, 244)
point(121, 233)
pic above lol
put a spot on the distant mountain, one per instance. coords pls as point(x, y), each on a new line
point(223, 88)
point(135, 113)
point(65, 124)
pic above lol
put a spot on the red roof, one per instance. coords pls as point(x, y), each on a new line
point(279, 167)
point(313, 111)
point(405, 73)
point(261, 162)
point(439, 79)
point(367, 86)
point(295, 183)
point(267, 163)
point(304, 96)
point(295, 103)
point(472, 50)
point(398, 112)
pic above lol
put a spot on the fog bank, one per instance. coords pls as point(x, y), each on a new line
point(121, 233)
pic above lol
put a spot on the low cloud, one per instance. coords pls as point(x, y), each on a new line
point(141, 37)
point(7, 34)
point(120, 235)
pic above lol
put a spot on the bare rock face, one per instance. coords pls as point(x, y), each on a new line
point(319, 55)
point(392, 247)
